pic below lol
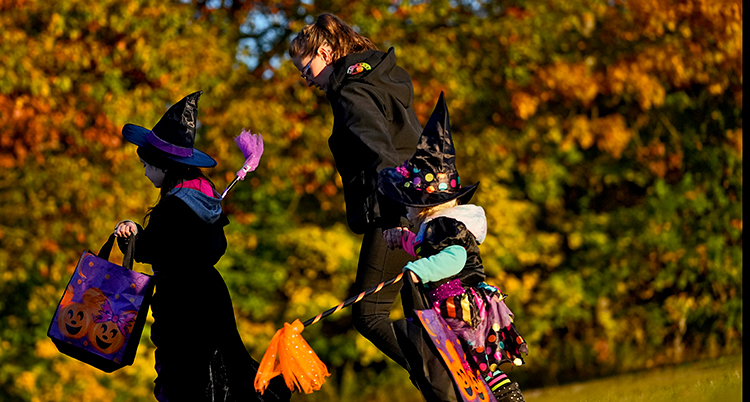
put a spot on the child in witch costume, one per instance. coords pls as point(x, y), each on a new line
point(450, 266)
point(200, 355)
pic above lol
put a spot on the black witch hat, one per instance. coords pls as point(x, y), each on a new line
point(173, 136)
point(430, 177)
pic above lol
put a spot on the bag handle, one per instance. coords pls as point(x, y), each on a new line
point(127, 259)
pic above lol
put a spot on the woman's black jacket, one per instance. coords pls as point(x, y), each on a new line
point(374, 127)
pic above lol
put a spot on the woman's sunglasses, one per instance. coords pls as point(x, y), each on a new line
point(306, 70)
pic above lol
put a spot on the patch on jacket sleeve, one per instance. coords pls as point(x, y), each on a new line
point(355, 69)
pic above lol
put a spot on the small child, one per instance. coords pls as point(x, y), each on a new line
point(450, 265)
point(199, 353)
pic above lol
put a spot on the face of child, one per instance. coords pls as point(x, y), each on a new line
point(154, 174)
point(316, 69)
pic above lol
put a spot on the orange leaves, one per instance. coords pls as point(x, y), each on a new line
point(655, 17)
point(572, 81)
point(678, 43)
point(26, 126)
point(735, 140)
point(631, 78)
point(311, 177)
point(517, 12)
point(330, 189)
point(11, 4)
point(102, 130)
point(524, 105)
point(580, 131)
point(36, 125)
point(50, 246)
point(65, 82)
point(658, 161)
point(613, 135)
point(610, 133)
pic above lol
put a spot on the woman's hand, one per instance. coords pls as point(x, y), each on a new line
point(394, 237)
point(125, 229)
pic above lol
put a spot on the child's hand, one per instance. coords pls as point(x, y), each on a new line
point(125, 229)
point(394, 237)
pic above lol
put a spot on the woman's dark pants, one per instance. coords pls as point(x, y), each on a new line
point(371, 316)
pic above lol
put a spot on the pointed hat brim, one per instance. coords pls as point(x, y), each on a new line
point(139, 136)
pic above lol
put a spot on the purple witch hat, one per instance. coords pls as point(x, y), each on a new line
point(173, 136)
point(430, 177)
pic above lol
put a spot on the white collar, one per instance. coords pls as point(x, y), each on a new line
point(470, 215)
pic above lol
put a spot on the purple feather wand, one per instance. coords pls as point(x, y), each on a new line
point(252, 148)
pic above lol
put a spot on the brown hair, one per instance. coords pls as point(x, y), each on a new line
point(175, 173)
point(331, 30)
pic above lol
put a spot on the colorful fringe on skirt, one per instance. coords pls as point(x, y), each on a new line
point(479, 317)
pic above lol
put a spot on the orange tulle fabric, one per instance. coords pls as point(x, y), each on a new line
point(291, 356)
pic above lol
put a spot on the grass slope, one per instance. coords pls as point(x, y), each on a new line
point(718, 380)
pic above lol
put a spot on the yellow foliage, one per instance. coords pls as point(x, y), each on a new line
point(26, 381)
point(575, 240)
point(46, 349)
point(679, 306)
point(74, 72)
point(367, 352)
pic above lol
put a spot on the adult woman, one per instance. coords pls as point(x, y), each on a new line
point(200, 355)
point(374, 127)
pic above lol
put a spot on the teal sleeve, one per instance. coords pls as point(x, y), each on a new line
point(442, 265)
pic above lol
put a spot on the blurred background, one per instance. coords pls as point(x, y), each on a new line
point(607, 137)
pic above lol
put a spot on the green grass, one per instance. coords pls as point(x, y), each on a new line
point(718, 380)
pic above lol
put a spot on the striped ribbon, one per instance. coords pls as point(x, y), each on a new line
point(352, 300)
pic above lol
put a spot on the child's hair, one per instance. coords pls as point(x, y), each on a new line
point(418, 215)
point(331, 30)
point(175, 173)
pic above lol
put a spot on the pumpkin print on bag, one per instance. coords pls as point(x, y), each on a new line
point(109, 329)
point(74, 319)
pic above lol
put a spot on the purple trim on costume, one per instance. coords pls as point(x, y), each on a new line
point(502, 313)
point(446, 290)
point(167, 147)
point(497, 312)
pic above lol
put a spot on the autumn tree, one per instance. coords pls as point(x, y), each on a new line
point(607, 137)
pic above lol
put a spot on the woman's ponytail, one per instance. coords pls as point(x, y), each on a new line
point(331, 30)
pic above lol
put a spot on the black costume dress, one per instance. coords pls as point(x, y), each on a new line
point(200, 355)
